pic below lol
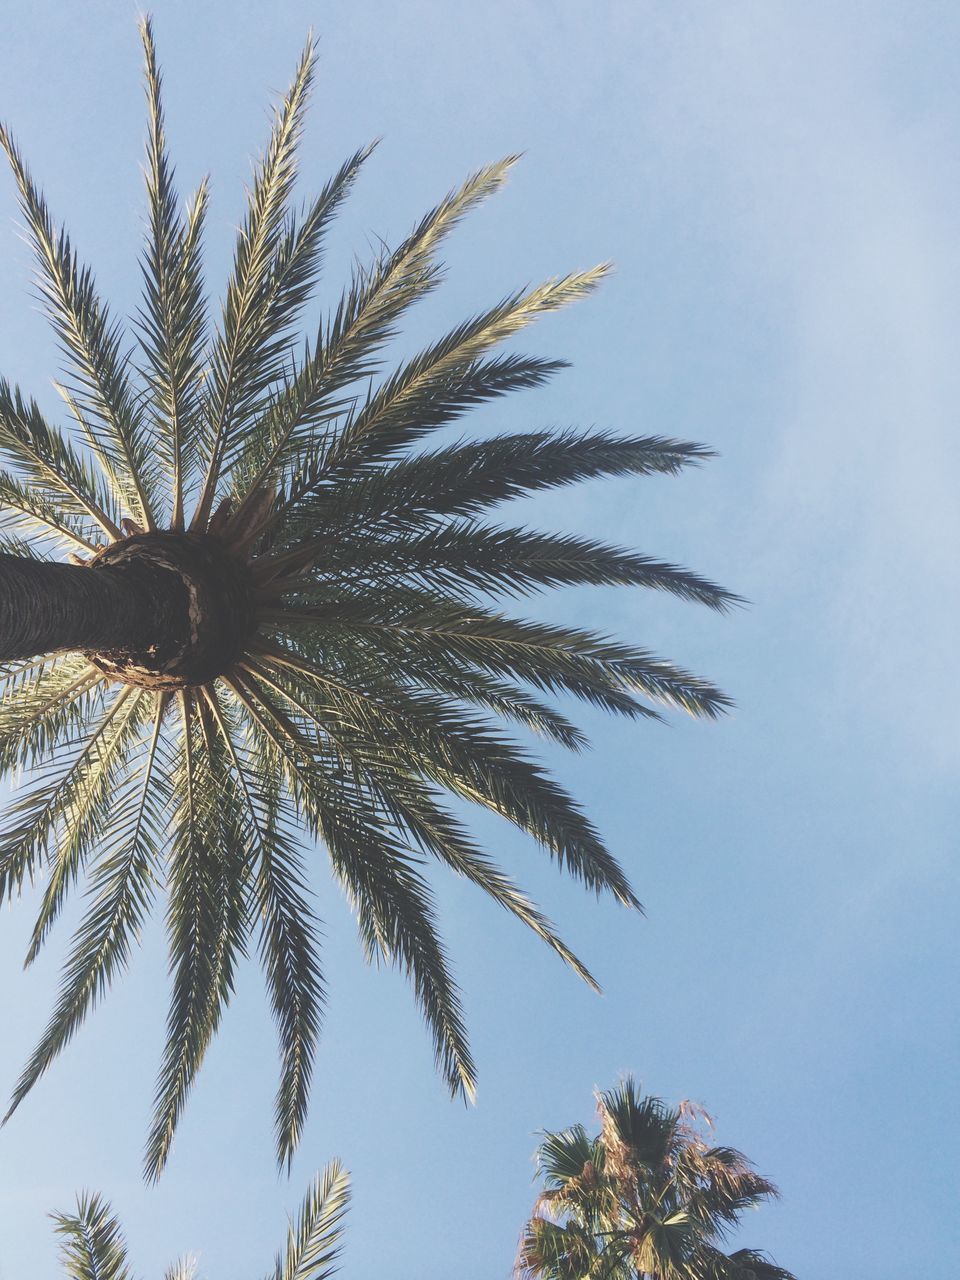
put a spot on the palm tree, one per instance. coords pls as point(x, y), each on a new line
point(315, 643)
point(648, 1198)
point(94, 1247)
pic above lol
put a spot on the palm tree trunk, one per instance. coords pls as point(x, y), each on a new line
point(47, 607)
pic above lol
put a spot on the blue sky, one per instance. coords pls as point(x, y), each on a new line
point(777, 184)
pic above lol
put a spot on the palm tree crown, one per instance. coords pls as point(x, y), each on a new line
point(326, 640)
point(93, 1246)
point(647, 1199)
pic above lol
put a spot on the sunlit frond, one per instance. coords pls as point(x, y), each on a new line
point(314, 1237)
point(56, 473)
point(172, 321)
point(25, 512)
point(43, 704)
point(272, 270)
point(92, 1243)
point(120, 895)
point(61, 789)
point(88, 798)
point(366, 317)
point(91, 340)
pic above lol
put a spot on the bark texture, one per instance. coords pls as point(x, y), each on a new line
point(47, 607)
point(159, 610)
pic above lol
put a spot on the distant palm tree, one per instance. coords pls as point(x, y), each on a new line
point(310, 646)
point(94, 1248)
point(647, 1199)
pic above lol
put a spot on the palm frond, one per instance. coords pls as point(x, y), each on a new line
point(288, 926)
point(93, 1247)
point(303, 506)
point(88, 804)
point(172, 320)
point(393, 903)
point(412, 807)
point(443, 672)
point(43, 704)
point(265, 288)
point(465, 478)
point(37, 817)
point(555, 659)
point(742, 1264)
point(465, 555)
point(297, 267)
point(314, 1237)
point(28, 512)
point(462, 754)
point(183, 1269)
point(91, 340)
point(49, 463)
point(365, 318)
point(207, 921)
point(120, 896)
point(446, 378)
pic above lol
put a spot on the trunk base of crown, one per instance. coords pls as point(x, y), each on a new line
point(202, 636)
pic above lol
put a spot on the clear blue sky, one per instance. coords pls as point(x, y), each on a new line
point(778, 185)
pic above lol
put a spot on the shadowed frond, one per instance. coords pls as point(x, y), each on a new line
point(466, 478)
point(411, 806)
point(555, 659)
point(463, 555)
point(463, 754)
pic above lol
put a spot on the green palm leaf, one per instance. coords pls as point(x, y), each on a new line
point(93, 344)
point(93, 1246)
point(647, 1197)
point(120, 894)
point(466, 478)
point(272, 272)
point(313, 1239)
point(53, 468)
point(208, 919)
point(288, 927)
point(173, 318)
